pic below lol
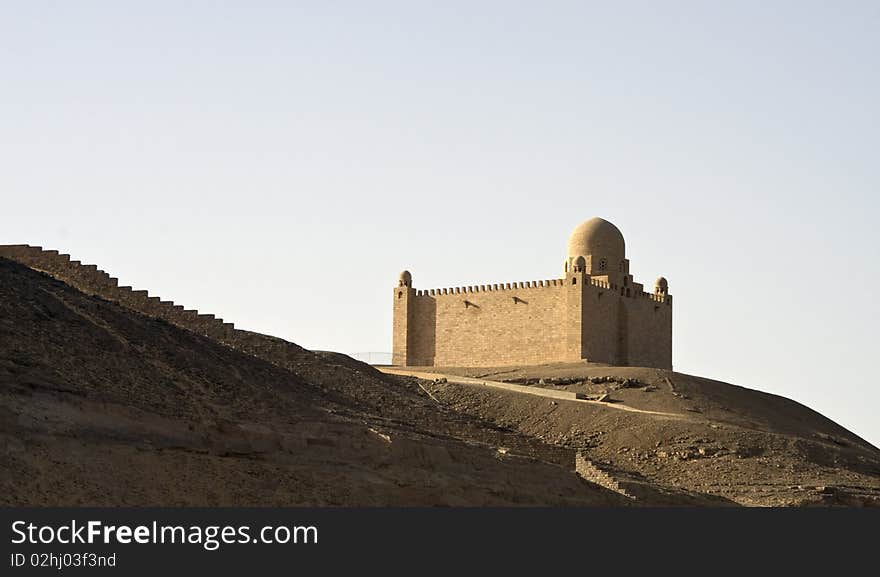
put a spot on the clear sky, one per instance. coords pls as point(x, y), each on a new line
point(278, 163)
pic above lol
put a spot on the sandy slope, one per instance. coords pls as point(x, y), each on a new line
point(686, 432)
point(103, 406)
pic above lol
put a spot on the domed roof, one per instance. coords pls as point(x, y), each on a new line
point(661, 282)
point(597, 237)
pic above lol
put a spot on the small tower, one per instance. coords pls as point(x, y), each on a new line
point(661, 286)
point(403, 295)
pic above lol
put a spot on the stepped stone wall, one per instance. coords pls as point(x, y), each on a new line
point(586, 469)
point(467, 328)
point(91, 280)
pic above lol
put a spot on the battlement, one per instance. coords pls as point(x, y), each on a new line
point(497, 287)
point(659, 298)
point(622, 290)
point(538, 284)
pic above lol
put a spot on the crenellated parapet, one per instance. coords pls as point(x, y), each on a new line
point(658, 298)
point(622, 290)
point(537, 284)
point(497, 287)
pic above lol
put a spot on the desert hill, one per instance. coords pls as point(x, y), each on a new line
point(669, 429)
point(104, 405)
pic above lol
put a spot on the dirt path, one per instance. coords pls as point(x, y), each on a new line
point(528, 390)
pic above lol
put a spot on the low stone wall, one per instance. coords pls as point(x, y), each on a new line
point(586, 469)
point(526, 389)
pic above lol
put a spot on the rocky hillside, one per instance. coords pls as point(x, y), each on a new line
point(664, 429)
point(102, 405)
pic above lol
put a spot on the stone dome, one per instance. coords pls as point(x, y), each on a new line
point(405, 279)
point(599, 238)
point(661, 285)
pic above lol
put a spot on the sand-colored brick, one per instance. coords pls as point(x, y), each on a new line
point(594, 312)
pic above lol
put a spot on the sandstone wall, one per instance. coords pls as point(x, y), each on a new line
point(559, 320)
point(601, 324)
point(491, 325)
point(649, 331)
point(401, 332)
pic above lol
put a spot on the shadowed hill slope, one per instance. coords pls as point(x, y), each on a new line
point(102, 406)
point(110, 397)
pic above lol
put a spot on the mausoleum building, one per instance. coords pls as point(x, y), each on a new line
point(595, 312)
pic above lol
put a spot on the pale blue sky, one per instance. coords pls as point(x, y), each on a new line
point(278, 163)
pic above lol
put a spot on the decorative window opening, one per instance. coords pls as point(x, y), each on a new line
point(603, 264)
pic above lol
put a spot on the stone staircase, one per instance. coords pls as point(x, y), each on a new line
point(589, 471)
